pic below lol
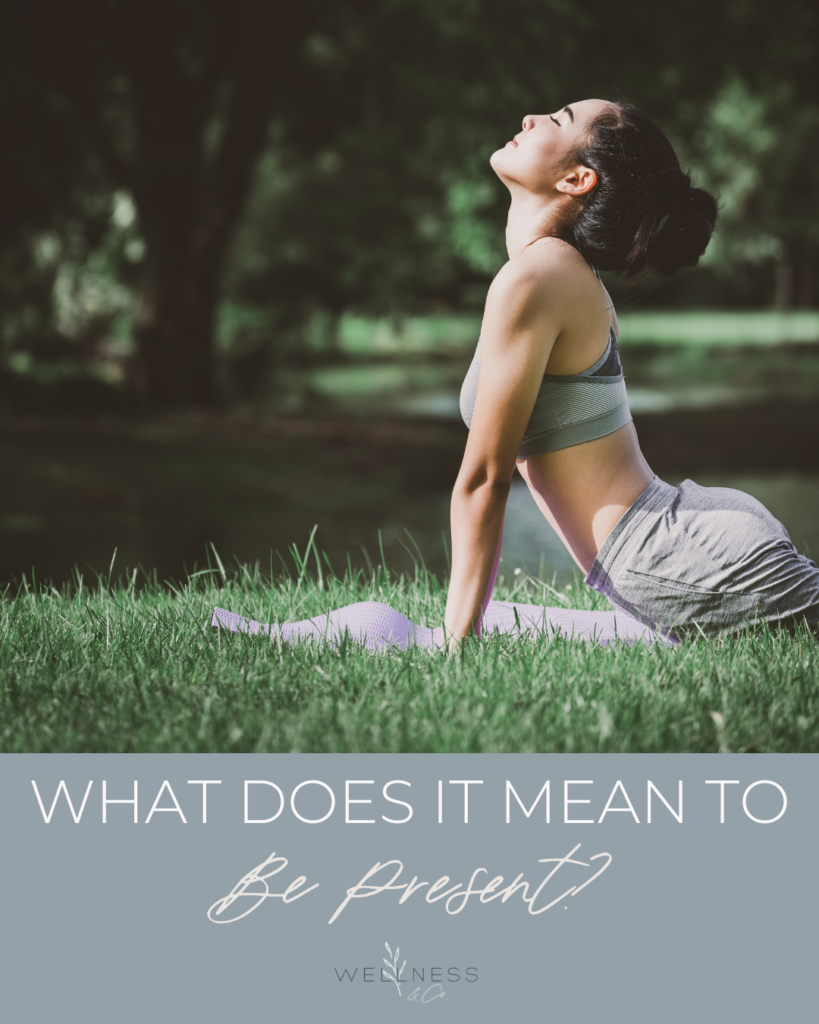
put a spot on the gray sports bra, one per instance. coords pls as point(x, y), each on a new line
point(568, 409)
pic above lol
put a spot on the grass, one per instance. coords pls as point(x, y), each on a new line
point(718, 328)
point(129, 668)
point(689, 358)
point(421, 335)
point(697, 328)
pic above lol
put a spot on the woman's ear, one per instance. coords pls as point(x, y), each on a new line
point(578, 181)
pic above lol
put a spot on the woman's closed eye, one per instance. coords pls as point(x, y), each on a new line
point(555, 120)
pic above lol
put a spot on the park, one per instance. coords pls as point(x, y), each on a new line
point(244, 252)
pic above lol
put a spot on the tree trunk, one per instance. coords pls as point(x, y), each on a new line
point(783, 282)
point(189, 193)
point(806, 277)
point(176, 310)
point(175, 334)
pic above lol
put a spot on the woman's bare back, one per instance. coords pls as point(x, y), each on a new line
point(584, 489)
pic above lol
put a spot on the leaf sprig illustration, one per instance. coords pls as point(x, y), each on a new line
point(393, 965)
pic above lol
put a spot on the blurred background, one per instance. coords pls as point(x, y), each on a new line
point(244, 248)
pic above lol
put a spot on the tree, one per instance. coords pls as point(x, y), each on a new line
point(375, 115)
point(173, 99)
point(47, 185)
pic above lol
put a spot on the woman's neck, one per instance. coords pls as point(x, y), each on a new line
point(531, 217)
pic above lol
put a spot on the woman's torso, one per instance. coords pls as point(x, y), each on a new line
point(583, 488)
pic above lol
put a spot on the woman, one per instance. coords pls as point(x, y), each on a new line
point(597, 185)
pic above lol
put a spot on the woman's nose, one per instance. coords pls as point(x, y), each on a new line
point(528, 122)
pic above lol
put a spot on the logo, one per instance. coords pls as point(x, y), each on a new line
point(417, 984)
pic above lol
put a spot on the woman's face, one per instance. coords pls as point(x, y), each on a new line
point(536, 158)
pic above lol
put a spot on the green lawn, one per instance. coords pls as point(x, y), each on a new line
point(139, 669)
point(710, 357)
point(718, 327)
point(364, 336)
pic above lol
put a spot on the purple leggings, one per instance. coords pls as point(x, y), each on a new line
point(379, 627)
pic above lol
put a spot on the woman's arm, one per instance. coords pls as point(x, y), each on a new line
point(521, 322)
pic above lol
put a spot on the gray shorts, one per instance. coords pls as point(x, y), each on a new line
point(690, 558)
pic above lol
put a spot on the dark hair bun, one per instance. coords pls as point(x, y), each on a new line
point(685, 235)
point(643, 215)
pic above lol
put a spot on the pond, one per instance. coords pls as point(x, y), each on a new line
point(365, 442)
point(161, 492)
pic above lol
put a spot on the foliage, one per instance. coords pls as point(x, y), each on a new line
point(139, 669)
point(759, 152)
point(331, 156)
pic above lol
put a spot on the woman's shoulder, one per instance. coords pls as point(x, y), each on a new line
point(548, 270)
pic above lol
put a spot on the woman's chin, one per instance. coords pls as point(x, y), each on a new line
point(499, 160)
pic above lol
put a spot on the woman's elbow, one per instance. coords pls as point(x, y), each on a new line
point(486, 487)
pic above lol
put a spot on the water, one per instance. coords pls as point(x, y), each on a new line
point(162, 492)
point(160, 496)
point(529, 542)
